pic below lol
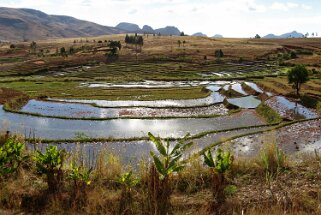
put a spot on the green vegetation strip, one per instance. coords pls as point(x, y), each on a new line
point(270, 115)
point(73, 90)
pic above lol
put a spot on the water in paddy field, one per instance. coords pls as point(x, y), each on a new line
point(81, 111)
point(290, 109)
point(55, 128)
point(51, 128)
point(132, 152)
point(238, 88)
point(249, 102)
point(254, 87)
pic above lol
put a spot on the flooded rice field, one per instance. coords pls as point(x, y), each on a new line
point(238, 88)
point(302, 137)
point(51, 128)
point(132, 152)
point(254, 87)
point(80, 111)
point(249, 102)
point(289, 109)
point(105, 119)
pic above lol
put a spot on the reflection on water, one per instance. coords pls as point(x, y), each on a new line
point(249, 102)
point(73, 110)
point(290, 109)
point(238, 88)
point(132, 152)
point(50, 128)
point(254, 87)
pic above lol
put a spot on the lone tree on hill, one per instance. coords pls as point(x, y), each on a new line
point(114, 46)
point(257, 36)
point(219, 53)
point(33, 47)
point(298, 76)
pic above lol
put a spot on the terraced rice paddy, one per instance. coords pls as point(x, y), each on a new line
point(112, 107)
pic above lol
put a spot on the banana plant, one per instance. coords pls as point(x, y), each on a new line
point(169, 160)
point(79, 174)
point(11, 156)
point(128, 180)
point(221, 163)
point(50, 164)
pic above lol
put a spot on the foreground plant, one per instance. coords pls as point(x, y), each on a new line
point(219, 165)
point(168, 162)
point(80, 177)
point(128, 182)
point(50, 164)
point(11, 156)
point(274, 161)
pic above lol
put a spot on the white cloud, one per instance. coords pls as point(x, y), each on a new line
point(306, 7)
point(284, 6)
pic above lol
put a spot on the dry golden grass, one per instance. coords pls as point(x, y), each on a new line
point(297, 190)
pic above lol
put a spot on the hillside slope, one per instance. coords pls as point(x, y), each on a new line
point(29, 24)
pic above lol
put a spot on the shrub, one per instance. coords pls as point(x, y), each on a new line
point(50, 164)
point(219, 53)
point(11, 156)
point(273, 160)
point(16, 103)
point(309, 101)
point(293, 55)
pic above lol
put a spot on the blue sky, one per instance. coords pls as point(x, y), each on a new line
point(231, 18)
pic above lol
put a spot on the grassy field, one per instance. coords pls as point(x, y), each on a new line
point(280, 86)
point(161, 58)
point(160, 49)
point(73, 90)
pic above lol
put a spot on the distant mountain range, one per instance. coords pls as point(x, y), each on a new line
point(199, 34)
point(133, 28)
point(217, 36)
point(29, 24)
point(292, 34)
